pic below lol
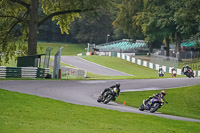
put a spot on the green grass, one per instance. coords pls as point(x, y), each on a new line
point(96, 76)
point(139, 72)
point(69, 49)
point(194, 66)
point(183, 101)
point(22, 113)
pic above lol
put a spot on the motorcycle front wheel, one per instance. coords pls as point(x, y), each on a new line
point(99, 99)
point(141, 108)
point(108, 98)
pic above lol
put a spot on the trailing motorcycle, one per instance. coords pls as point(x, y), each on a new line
point(155, 104)
point(174, 73)
point(106, 97)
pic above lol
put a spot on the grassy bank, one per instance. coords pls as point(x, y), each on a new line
point(22, 113)
point(69, 49)
point(124, 66)
point(182, 101)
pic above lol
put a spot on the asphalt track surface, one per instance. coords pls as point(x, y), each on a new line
point(91, 67)
point(85, 92)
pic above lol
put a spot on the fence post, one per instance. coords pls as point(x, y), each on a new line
point(56, 67)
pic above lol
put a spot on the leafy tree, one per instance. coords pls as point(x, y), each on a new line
point(25, 14)
point(95, 29)
point(50, 32)
point(155, 22)
point(124, 21)
point(187, 19)
point(92, 29)
point(174, 17)
point(160, 20)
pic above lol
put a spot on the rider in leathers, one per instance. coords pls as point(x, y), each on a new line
point(116, 91)
point(161, 95)
point(185, 69)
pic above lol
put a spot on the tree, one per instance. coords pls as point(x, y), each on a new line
point(187, 19)
point(25, 14)
point(160, 20)
point(124, 21)
point(155, 22)
point(92, 29)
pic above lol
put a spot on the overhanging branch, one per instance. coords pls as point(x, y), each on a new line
point(21, 3)
point(13, 26)
point(61, 13)
point(2, 16)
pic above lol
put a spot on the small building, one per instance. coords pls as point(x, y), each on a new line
point(29, 61)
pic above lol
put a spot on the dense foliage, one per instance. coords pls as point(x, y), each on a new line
point(178, 20)
point(156, 21)
point(20, 19)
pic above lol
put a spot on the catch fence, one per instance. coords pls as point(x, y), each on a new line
point(70, 72)
point(164, 60)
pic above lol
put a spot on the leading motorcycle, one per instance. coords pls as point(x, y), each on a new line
point(106, 97)
point(190, 73)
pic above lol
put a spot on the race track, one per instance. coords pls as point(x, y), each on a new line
point(91, 67)
point(85, 92)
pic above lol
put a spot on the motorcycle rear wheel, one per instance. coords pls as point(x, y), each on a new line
point(141, 108)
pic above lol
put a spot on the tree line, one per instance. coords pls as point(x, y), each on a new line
point(160, 21)
point(89, 21)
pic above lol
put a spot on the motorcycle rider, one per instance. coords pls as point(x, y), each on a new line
point(160, 71)
point(173, 71)
point(115, 88)
point(161, 95)
point(185, 69)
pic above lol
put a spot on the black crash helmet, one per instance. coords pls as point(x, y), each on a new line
point(117, 84)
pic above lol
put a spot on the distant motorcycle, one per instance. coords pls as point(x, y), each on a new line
point(161, 73)
point(174, 73)
point(190, 73)
point(107, 96)
point(157, 102)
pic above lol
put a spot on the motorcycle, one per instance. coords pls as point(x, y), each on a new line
point(157, 102)
point(174, 73)
point(190, 73)
point(106, 97)
point(161, 73)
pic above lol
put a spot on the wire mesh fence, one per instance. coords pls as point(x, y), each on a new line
point(190, 55)
point(69, 73)
point(164, 60)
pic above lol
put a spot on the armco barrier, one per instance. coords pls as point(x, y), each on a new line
point(151, 65)
point(23, 72)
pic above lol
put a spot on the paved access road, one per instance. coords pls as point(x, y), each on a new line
point(91, 67)
point(85, 92)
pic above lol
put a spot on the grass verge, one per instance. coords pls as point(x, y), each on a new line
point(138, 72)
point(69, 49)
point(22, 113)
point(183, 101)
